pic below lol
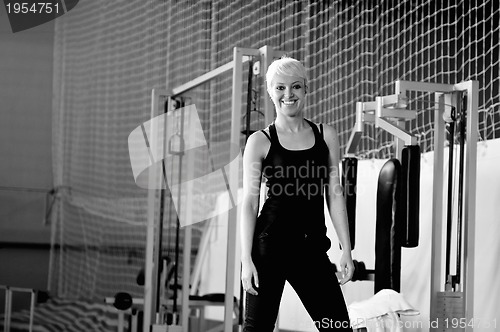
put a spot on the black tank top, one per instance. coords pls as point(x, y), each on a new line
point(294, 207)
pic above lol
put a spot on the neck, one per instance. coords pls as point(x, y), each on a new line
point(290, 124)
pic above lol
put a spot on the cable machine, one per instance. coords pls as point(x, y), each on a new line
point(156, 179)
point(455, 105)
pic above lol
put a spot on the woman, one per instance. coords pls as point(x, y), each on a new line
point(287, 241)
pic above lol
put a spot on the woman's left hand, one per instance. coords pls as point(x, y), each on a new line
point(346, 267)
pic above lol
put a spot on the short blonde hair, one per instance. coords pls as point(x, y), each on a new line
point(285, 66)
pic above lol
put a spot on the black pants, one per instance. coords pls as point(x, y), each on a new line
point(313, 278)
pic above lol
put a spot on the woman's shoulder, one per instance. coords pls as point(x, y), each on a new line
point(260, 136)
point(328, 130)
point(259, 142)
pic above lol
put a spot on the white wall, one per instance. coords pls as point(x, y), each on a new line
point(415, 266)
point(25, 155)
point(25, 130)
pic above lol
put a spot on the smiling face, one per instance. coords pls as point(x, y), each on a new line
point(288, 94)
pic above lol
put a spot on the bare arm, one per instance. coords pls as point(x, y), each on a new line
point(255, 150)
point(336, 204)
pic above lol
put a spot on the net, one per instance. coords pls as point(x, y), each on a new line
point(109, 55)
point(371, 45)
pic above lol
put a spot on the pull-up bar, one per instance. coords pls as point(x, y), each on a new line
point(206, 77)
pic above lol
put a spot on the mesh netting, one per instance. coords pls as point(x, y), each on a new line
point(109, 55)
point(356, 52)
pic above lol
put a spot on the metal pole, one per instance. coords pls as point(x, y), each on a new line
point(472, 88)
point(152, 250)
point(233, 183)
point(437, 203)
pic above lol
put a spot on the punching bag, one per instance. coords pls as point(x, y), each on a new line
point(407, 214)
point(349, 176)
point(387, 247)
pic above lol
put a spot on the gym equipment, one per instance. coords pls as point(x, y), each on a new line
point(449, 205)
point(123, 301)
point(387, 246)
point(253, 97)
point(451, 303)
point(349, 180)
point(9, 293)
point(397, 218)
point(251, 100)
point(361, 273)
point(126, 305)
point(180, 153)
point(407, 212)
point(390, 113)
point(240, 56)
point(462, 128)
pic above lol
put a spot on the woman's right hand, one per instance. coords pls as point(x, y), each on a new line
point(249, 272)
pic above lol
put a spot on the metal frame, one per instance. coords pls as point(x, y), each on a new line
point(9, 293)
point(445, 94)
point(153, 224)
point(240, 56)
point(382, 112)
